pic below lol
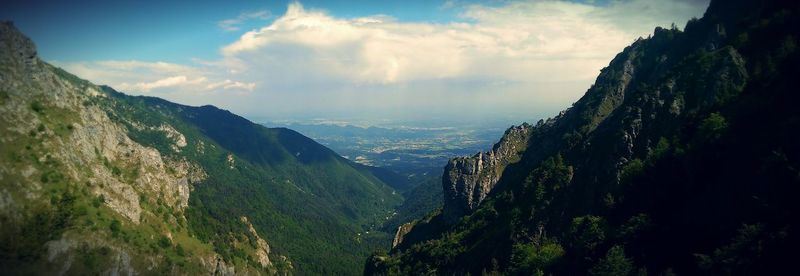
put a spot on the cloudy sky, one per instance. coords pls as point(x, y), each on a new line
point(347, 59)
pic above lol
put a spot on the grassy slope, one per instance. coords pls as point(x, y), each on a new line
point(308, 203)
point(55, 204)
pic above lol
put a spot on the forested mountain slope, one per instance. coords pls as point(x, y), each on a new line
point(681, 158)
point(95, 181)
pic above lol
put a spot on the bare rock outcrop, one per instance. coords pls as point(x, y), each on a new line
point(262, 248)
point(467, 180)
point(402, 230)
point(71, 144)
point(90, 146)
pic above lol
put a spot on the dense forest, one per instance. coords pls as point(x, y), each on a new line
point(310, 200)
point(682, 158)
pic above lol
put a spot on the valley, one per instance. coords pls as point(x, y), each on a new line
point(681, 159)
point(679, 156)
point(409, 148)
point(415, 151)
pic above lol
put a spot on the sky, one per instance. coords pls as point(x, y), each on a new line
point(360, 60)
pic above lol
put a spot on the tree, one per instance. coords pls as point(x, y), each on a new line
point(615, 263)
point(114, 227)
point(712, 127)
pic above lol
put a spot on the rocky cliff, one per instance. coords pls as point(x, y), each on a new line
point(62, 148)
point(467, 180)
point(402, 230)
point(78, 195)
point(94, 181)
point(681, 158)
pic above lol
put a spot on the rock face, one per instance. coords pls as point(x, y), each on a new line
point(607, 116)
point(402, 230)
point(467, 180)
point(19, 49)
point(75, 149)
point(262, 248)
point(646, 140)
point(156, 174)
point(119, 170)
point(98, 173)
point(217, 266)
point(95, 148)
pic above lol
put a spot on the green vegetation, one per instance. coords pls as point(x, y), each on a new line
point(613, 264)
point(37, 107)
point(25, 241)
point(529, 259)
point(425, 197)
point(691, 169)
point(300, 196)
point(312, 206)
point(52, 204)
point(712, 127)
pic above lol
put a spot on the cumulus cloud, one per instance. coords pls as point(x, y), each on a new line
point(156, 77)
point(229, 84)
point(166, 82)
point(131, 71)
point(234, 24)
point(520, 41)
point(518, 56)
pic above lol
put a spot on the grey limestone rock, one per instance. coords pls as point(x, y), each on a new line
point(468, 180)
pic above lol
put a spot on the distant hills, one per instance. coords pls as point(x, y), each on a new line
point(399, 147)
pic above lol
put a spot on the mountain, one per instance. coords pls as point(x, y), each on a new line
point(424, 197)
point(682, 158)
point(95, 181)
point(407, 150)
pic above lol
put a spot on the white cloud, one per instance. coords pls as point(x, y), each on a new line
point(162, 83)
point(519, 41)
point(234, 24)
point(132, 71)
point(156, 77)
point(229, 84)
point(517, 56)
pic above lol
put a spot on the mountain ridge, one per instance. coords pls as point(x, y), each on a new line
point(96, 181)
point(636, 176)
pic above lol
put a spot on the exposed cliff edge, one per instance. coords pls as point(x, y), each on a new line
point(467, 180)
point(64, 152)
point(402, 230)
point(80, 193)
point(94, 181)
point(681, 158)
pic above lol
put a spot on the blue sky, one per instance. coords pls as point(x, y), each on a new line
point(174, 31)
point(347, 59)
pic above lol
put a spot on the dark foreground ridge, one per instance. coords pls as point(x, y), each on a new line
point(682, 158)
